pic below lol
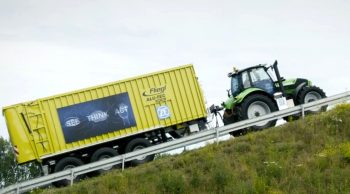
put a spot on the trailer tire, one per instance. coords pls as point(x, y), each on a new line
point(65, 164)
point(102, 154)
point(137, 144)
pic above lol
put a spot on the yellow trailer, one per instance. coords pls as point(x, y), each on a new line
point(98, 122)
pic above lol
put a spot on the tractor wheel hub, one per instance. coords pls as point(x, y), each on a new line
point(257, 109)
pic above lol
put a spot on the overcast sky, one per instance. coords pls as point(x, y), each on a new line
point(50, 47)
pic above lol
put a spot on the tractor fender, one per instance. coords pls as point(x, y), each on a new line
point(297, 90)
point(233, 101)
point(259, 91)
point(247, 92)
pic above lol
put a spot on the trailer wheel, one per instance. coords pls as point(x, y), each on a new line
point(257, 105)
point(309, 94)
point(138, 144)
point(102, 154)
point(65, 164)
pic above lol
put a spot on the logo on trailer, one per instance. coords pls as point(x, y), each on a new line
point(163, 112)
point(155, 95)
point(72, 122)
point(155, 91)
point(97, 116)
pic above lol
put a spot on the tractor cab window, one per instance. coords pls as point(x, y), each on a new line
point(261, 79)
point(245, 80)
point(235, 86)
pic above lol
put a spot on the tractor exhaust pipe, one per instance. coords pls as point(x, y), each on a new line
point(279, 79)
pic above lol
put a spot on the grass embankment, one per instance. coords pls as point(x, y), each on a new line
point(305, 156)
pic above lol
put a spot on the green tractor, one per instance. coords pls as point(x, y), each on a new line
point(254, 91)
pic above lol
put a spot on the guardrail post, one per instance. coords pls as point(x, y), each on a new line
point(217, 135)
point(302, 111)
point(123, 163)
point(17, 189)
point(71, 177)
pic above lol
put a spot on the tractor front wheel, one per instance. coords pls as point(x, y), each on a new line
point(310, 94)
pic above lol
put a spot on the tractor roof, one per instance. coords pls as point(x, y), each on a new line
point(245, 69)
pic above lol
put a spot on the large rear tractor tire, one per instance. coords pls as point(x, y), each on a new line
point(228, 117)
point(138, 144)
point(309, 94)
point(257, 105)
point(231, 116)
point(65, 164)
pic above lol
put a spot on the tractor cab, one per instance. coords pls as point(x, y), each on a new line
point(252, 77)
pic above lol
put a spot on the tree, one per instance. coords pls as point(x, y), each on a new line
point(10, 171)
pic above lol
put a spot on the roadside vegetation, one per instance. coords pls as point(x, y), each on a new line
point(305, 156)
point(10, 171)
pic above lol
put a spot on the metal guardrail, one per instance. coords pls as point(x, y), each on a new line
point(168, 146)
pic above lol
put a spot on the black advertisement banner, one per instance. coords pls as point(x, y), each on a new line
point(96, 117)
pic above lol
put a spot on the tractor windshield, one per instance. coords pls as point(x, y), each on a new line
point(261, 79)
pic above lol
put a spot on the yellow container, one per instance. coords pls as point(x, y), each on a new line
point(68, 122)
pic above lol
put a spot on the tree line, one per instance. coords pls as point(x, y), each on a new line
point(10, 171)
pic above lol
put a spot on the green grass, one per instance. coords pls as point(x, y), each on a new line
point(305, 156)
